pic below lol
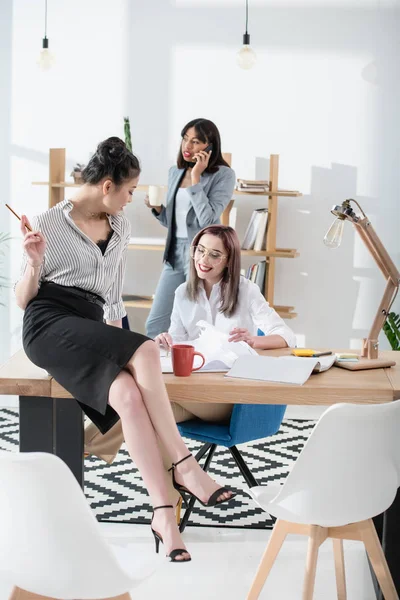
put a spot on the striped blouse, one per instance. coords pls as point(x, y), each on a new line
point(73, 259)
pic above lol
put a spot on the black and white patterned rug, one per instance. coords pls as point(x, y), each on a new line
point(116, 492)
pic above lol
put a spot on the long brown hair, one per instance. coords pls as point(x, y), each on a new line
point(230, 276)
point(208, 133)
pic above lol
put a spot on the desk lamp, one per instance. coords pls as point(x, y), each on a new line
point(333, 238)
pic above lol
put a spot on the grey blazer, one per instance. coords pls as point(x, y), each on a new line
point(208, 201)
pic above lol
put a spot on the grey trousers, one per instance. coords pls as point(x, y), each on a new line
point(159, 318)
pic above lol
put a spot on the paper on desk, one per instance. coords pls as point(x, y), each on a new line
point(281, 369)
point(220, 354)
point(323, 362)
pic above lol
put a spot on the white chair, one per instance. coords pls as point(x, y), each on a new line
point(347, 473)
point(51, 546)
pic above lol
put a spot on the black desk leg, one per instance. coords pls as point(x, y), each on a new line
point(388, 529)
point(53, 425)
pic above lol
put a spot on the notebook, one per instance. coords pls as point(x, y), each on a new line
point(220, 354)
point(279, 369)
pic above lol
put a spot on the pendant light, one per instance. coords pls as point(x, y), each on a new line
point(246, 57)
point(46, 58)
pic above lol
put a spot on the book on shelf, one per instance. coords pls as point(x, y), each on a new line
point(254, 238)
point(232, 217)
point(260, 241)
point(263, 182)
point(252, 185)
point(257, 273)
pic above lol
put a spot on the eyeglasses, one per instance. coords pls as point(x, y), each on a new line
point(215, 257)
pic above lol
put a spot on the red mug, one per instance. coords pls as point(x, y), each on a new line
point(182, 359)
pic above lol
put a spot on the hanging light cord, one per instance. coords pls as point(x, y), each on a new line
point(45, 18)
point(247, 13)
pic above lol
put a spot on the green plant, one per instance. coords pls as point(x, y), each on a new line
point(127, 133)
point(392, 330)
point(4, 282)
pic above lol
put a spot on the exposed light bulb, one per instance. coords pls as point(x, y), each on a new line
point(333, 237)
point(46, 58)
point(246, 57)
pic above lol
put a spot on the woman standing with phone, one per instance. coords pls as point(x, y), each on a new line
point(200, 186)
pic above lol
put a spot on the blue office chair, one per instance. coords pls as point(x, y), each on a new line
point(248, 422)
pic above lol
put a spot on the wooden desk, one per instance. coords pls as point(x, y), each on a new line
point(333, 386)
point(50, 421)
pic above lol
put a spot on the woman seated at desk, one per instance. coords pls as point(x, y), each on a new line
point(215, 292)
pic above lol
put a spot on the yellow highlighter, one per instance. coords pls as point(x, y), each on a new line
point(309, 352)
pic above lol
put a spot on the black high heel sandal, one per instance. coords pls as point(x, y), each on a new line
point(158, 538)
point(184, 492)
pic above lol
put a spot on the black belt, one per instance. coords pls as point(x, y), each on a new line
point(89, 296)
point(93, 298)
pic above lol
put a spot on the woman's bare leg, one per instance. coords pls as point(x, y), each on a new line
point(184, 411)
point(140, 437)
point(146, 370)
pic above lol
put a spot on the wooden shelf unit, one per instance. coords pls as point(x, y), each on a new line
point(271, 253)
point(57, 183)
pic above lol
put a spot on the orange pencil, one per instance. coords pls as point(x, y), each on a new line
point(18, 217)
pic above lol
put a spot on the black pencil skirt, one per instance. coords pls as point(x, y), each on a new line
point(64, 333)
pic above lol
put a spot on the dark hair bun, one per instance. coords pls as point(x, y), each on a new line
point(112, 159)
point(111, 151)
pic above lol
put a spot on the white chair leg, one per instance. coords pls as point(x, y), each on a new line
point(317, 536)
point(276, 540)
point(339, 569)
point(378, 560)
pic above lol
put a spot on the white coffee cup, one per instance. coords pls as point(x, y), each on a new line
point(156, 194)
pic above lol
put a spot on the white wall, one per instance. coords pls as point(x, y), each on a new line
point(164, 63)
point(5, 112)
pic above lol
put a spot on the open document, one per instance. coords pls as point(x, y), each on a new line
point(220, 354)
point(279, 369)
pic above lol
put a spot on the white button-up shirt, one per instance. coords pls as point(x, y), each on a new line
point(252, 312)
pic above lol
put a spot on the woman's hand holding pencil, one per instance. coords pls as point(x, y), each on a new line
point(34, 243)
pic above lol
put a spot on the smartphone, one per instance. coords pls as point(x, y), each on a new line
point(207, 149)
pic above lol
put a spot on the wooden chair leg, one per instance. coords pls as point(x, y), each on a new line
point(339, 569)
point(125, 596)
point(317, 536)
point(19, 594)
point(178, 511)
point(378, 561)
point(276, 540)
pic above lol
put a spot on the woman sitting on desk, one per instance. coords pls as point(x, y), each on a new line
point(199, 188)
point(73, 271)
point(218, 294)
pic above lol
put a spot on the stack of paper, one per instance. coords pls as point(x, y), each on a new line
point(220, 354)
point(252, 185)
point(282, 369)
